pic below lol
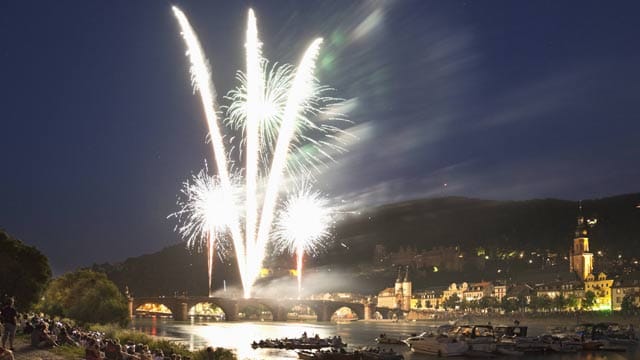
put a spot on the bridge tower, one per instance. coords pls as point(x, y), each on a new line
point(367, 309)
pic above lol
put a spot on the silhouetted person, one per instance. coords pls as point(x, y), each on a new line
point(9, 317)
point(210, 354)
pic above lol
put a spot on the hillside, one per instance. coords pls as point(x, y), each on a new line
point(452, 221)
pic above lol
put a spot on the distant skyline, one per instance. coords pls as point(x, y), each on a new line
point(493, 100)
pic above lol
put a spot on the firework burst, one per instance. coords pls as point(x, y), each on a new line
point(276, 109)
point(303, 225)
point(205, 216)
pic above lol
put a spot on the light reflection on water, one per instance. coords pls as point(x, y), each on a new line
point(239, 335)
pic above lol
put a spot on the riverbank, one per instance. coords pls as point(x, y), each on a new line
point(24, 351)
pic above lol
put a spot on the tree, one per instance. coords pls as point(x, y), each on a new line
point(535, 303)
point(523, 302)
point(572, 302)
point(25, 271)
point(589, 300)
point(560, 303)
point(628, 306)
point(452, 301)
point(85, 296)
point(540, 303)
point(509, 304)
point(488, 302)
point(419, 304)
point(428, 304)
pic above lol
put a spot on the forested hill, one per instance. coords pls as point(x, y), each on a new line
point(470, 223)
point(453, 221)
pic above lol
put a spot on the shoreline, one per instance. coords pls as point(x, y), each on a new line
point(24, 351)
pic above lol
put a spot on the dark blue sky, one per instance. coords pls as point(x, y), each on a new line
point(495, 99)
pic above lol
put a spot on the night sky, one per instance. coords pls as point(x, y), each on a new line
point(488, 99)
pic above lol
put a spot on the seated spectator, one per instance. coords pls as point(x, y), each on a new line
point(146, 354)
point(41, 338)
point(92, 351)
point(65, 339)
point(159, 355)
point(6, 354)
point(130, 354)
point(28, 328)
point(113, 350)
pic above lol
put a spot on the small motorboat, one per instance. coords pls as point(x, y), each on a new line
point(384, 339)
point(306, 355)
point(440, 345)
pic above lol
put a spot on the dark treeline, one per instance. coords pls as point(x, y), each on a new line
point(472, 223)
point(25, 272)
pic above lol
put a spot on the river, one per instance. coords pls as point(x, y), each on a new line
point(239, 335)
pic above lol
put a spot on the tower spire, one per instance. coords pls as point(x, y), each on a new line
point(406, 274)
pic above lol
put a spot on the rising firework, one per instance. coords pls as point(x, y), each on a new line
point(272, 108)
point(303, 225)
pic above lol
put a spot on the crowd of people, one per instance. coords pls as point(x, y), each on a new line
point(46, 333)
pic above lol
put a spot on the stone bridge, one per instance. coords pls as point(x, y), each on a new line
point(279, 308)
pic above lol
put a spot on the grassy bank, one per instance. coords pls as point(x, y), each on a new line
point(125, 336)
point(167, 346)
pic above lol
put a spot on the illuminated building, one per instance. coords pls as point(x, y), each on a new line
point(581, 260)
point(602, 288)
point(458, 290)
point(626, 285)
point(399, 296)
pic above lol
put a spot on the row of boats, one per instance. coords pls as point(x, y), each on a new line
point(341, 354)
point(468, 341)
point(331, 348)
point(301, 343)
point(488, 341)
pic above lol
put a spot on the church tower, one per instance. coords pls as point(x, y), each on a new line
point(398, 289)
point(406, 292)
point(580, 259)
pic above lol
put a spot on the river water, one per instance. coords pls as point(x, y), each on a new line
point(238, 336)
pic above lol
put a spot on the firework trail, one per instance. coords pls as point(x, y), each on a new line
point(255, 85)
point(301, 89)
point(201, 79)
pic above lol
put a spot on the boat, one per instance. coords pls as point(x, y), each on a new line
point(337, 355)
point(480, 338)
point(562, 343)
point(508, 351)
point(613, 333)
point(508, 331)
point(384, 339)
point(377, 354)
point(440, 345)
point(478, 354)
point(415, 338)
point(306, 355)
point(303, 343)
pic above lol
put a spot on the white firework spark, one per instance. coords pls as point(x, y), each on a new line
point(303, 225)
point(204, 215)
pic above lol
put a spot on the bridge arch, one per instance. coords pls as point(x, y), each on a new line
point(153, 308)
point(345, 313)
point(207, 309)
point(257, 310)
point(301, 311)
